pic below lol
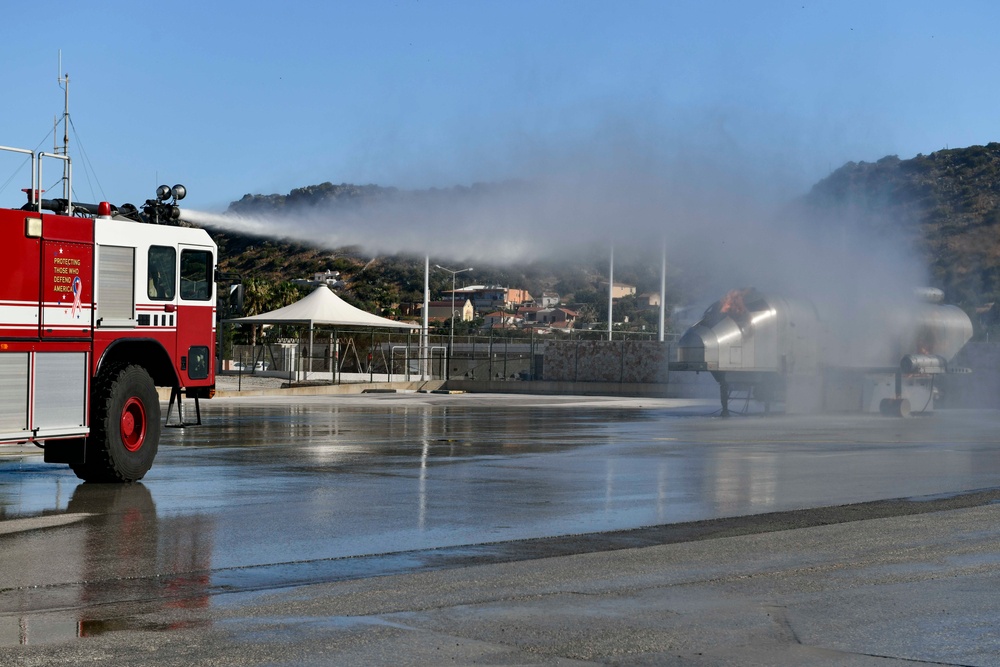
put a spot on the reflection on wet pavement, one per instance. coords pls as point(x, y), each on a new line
point(272, 493)
point(121, 551)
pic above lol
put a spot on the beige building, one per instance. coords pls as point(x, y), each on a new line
point(649, 300)
point(619, 290)
point(441, 310)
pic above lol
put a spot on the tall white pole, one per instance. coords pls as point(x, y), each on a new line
point(611, 290)
point(454, 273)
point(424, 352)
point(451, 335)
point(663, 292)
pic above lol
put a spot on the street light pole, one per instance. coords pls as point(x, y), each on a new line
point(453, 272)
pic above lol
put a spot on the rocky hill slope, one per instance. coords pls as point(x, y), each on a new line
point(946, 205)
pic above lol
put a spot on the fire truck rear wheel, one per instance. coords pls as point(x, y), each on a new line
point(124, 426)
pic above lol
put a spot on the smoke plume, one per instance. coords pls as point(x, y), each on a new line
point(723, 224)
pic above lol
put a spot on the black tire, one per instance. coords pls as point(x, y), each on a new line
point(124, 426)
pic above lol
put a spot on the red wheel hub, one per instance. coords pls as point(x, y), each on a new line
point(133, 424)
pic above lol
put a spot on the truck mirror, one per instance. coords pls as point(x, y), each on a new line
point(236, 299)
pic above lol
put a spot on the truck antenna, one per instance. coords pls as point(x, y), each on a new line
point(63, 80)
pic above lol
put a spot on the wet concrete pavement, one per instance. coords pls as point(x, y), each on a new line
point(319, 496)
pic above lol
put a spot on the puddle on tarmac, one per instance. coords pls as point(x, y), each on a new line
point(463, 431)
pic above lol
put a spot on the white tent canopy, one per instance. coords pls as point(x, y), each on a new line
point(323, 307)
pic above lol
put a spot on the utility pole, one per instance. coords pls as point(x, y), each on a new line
point(453, 272)
point(611, 290)
point(424, 350)
point(663, 291)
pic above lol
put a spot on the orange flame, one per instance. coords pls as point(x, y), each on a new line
point(733, 303)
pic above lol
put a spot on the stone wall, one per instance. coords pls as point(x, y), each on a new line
point(978, 389)
point(605, 361)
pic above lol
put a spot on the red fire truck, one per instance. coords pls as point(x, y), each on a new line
point(99, 306)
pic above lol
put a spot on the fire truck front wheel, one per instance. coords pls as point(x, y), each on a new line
point(125, 426)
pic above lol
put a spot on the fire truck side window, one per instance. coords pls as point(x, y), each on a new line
point(196, 275)
point(162, 269)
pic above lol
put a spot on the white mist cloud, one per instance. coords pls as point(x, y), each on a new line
point(724, 221)
point(620, 194)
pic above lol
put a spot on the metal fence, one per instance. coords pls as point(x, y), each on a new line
point(379, 356)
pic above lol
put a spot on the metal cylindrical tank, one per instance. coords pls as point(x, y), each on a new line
point(923, 364)
point(750, 331)
point(941, 330)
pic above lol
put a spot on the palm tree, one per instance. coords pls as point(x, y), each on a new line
point(257, 294)
point(284, 294)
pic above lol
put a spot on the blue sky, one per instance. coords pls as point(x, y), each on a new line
point(238, 97)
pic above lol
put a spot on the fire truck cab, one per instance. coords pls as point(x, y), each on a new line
point(99, 306)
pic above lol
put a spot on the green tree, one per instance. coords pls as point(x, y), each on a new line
point(262, 296)
point(256, 295)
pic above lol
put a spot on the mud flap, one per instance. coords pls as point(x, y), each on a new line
point(65, 451)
